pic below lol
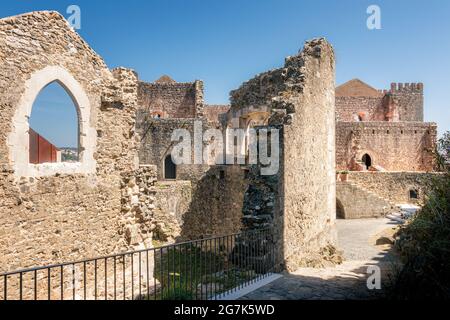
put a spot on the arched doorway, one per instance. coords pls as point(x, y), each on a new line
point(170, 169)
point(340, 212)
point(367, 160)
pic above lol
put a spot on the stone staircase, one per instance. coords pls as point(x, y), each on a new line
point(378, 168)
point(374, 194)
point(359, 202)
point(406, 211)
point(360, 166)
point(399, 212)
point(377, 206)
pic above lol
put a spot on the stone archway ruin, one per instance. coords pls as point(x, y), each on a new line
point(19, 145)
point(107, 190)
point(61, 206)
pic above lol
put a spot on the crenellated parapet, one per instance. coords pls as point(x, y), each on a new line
point(406, 87)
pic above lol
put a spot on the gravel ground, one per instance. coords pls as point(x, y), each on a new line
point(357, 238)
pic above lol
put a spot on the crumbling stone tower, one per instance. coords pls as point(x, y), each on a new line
point(299, 99)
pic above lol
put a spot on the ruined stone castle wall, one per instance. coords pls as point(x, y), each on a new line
point(204, 200)
point(395, 186)
point(211, 205)
point(403, 102)
point(156, 144)
point(217, 204)
point(370, 108)
point(394, 146)
point(304, 91)
point(172, 201)
point(213, 113)
point(354, 202)
point(172, 99)
point(59, 213)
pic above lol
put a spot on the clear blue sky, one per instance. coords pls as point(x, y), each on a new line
point(228, 41)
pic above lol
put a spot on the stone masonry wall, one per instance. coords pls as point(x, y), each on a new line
point(205, 200)
point(395, 186)
point(355, 202)
point(64, 217)
point(395, 146)
point(405, 99)
point(173, 199)
point(409, 99)
point(156, 144)
point(213, 113)
point(303, 90)
point(347, 108)
point(172, 100)
point(137, 222)
point(217, 204)
point(211, 205)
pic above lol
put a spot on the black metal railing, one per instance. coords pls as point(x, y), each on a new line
point(195, 270)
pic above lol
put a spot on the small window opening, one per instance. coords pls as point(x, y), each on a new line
point(413, 194)
point(170, 169)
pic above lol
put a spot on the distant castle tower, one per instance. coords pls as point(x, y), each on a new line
point(409, 100)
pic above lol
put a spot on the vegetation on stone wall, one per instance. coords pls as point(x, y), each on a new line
point(443, 152)
point(424, 243)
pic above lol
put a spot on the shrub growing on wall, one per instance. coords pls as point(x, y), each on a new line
point(425, 242)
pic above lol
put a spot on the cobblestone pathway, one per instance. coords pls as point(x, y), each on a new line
point(358, 239)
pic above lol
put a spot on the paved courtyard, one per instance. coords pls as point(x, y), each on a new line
point(364, 244)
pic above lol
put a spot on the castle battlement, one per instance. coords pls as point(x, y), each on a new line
point(407, 87)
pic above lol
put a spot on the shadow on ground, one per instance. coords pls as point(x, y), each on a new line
point(348, 281)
